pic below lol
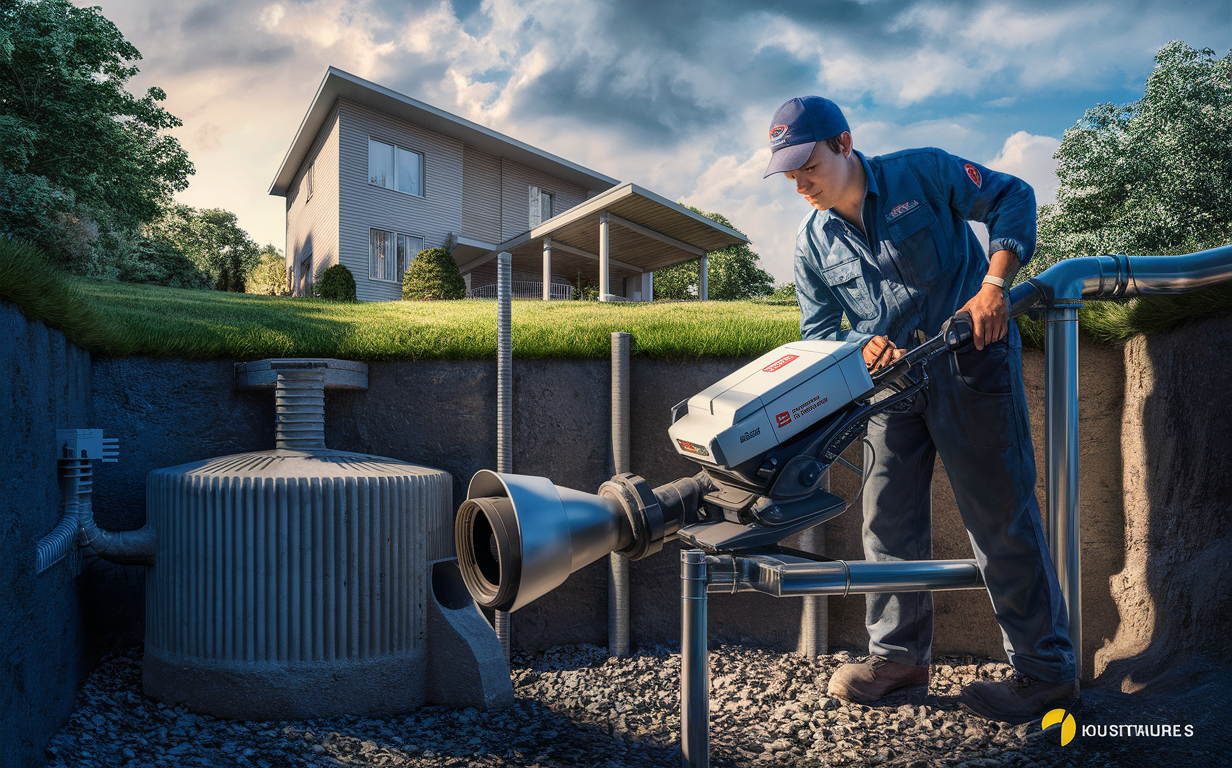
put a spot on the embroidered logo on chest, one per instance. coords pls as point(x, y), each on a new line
point(902, 208)
point(973, 173)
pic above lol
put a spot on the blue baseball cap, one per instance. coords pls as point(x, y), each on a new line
point(796, 128)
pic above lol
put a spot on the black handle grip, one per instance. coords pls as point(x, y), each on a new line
point(959, 332)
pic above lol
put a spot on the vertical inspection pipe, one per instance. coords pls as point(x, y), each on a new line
point(814, 620)
point(604, 258)
point(1061, 459)
point(504, 397)
point(694, 662)
point(618, 565)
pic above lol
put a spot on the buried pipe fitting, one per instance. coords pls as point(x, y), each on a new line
point(76, 449)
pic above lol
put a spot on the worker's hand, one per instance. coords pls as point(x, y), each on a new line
point(880, 352)
point(990, 315)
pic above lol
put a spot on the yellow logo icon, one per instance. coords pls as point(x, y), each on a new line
point(1068, 727)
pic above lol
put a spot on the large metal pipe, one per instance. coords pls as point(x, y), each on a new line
point(504, 398)
point(1060, 290)
point(1061, 460)
point(694, 662)
point(787, 576)
point(618, 565)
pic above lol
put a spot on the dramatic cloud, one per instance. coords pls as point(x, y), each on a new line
point(675, 96)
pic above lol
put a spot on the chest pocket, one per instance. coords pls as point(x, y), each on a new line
point(913, 243)
point(847, 280)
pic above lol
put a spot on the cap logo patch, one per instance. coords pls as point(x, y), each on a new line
point(973, 173)
point(778, 135)
point(902, 208)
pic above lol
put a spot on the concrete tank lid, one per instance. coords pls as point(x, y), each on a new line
point(339, 374)
point(287, 463)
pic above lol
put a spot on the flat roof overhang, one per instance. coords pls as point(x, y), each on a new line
point(646, 232)
point(339, 84)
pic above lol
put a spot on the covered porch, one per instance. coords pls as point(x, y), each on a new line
point(615, 240)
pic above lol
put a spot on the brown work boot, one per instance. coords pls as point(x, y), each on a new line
point(873, 678)
point(1017, 699)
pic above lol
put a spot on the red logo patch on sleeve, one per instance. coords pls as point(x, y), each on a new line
point(973, 173)
point(783, 419)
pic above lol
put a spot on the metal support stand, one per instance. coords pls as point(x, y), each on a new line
point(779, 575)
point(694, 662)
point(1061, 459)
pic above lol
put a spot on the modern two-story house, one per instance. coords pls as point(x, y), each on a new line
point(373, 177)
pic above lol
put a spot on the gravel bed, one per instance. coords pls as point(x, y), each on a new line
point(576, 707)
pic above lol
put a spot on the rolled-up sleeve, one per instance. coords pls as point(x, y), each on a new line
point(1005, 203)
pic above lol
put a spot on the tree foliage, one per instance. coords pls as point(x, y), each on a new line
point(732, 273)
point(215, 242)
point(433, 275)
point(269, 277)
point(1150, 177)
point(66, 117)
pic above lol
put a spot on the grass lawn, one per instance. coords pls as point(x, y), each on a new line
point(125, 319)
point(156, 321)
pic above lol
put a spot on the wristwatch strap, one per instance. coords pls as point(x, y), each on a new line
point(1000, 283)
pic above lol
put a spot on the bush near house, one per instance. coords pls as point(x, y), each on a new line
point(336, 284)
point(433, 275)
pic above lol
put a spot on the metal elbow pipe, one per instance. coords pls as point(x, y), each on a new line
point(125, 547)
point(1115, 277)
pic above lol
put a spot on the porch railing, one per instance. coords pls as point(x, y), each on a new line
point(523, 289)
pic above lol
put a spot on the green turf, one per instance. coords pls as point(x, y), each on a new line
point(123, 319)
point(170, 322)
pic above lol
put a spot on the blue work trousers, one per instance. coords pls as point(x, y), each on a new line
point(974, 415)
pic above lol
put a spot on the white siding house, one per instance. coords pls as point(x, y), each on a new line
point(373, 176)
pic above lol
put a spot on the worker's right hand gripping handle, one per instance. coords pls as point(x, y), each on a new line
point(958, 331)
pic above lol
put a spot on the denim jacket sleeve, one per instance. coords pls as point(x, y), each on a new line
point(821, 314)
point(1005, 203)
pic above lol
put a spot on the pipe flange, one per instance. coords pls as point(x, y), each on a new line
point(643, 511)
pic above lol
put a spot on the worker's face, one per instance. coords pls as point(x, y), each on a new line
point(825, 175)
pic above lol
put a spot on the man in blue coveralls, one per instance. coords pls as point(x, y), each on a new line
point(888, 246)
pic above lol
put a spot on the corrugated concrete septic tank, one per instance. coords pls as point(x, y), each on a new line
point(295, 582)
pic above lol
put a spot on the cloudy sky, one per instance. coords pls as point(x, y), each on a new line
point(675, 96)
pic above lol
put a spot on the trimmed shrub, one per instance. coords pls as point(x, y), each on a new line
point(336, 283)
point(433, 275)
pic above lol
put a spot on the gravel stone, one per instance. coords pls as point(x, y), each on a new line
point(574, 706)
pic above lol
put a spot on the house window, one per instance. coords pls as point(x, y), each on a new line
point(308, 181)
point(393, 167)
point(540, 206)
point(390, 253)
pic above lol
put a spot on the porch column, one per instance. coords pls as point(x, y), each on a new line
point(547, 269)
point(703, 292)
point(604, 288)
point(648, 286)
